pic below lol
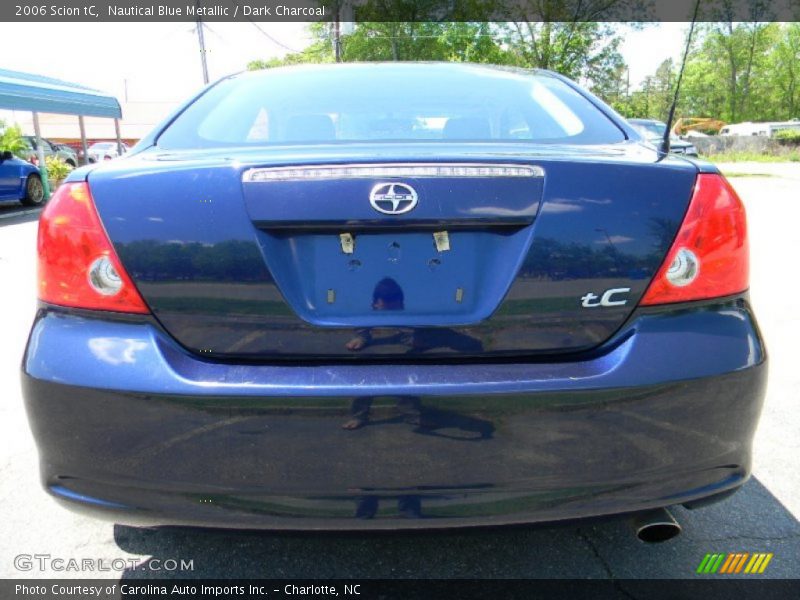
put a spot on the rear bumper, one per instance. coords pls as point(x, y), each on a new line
point(130, 426)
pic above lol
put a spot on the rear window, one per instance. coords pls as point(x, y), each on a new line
point(649, 128)
point(388, 103)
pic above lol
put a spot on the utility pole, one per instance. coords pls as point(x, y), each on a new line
point(628, 82)
point(202, 42)
point(337, 35)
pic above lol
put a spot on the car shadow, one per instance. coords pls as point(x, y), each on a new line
point(752, 520)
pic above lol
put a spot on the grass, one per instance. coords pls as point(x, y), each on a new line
point(730, 174)
point(742, 156)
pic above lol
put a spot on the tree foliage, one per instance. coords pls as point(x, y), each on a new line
point(319, 51)
point(784, 67)
point(11, 140)
point(585, 51)
point(729, 75)
point(393, 41)
point(736, 71)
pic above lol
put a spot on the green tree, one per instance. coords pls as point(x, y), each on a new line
point(729, 75)
point(11, 140)
point(319, 51)
point(565, 36)
point(472, 42)
point(584, 51)
point(409, 40)
point(657, 93)
point(616, 90)
point(399, 41)
point(550, 34)
point(784, 66)
point(393, 41)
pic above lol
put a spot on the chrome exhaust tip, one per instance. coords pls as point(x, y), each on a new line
point(655, 526)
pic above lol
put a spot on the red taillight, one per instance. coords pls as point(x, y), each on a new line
point(709, 257)
point(77, 263)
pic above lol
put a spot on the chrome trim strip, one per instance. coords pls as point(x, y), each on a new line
point(384, 170)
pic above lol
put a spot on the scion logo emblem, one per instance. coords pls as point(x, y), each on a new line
point(393, 198)
point(608, 298)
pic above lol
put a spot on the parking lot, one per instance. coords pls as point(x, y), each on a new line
point(763, 517)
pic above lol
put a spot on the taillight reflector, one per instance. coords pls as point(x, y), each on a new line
point(78, 266)
point(709, 257)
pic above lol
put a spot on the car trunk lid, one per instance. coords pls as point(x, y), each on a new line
point(287, 255)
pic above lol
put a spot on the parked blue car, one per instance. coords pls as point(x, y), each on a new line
point(383, 296)
point(19, 181)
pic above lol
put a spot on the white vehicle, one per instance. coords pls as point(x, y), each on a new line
point(100, 151)
point(759, 129)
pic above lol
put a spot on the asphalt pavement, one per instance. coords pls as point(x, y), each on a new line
point(762, 517)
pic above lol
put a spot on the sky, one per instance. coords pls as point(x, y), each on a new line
point(160, 62)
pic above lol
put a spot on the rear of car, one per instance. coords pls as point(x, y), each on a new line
point(653, 131)
point(49, 148)
point(19, 181)
point(68, 154)
point(392, 296)
point(100, 151)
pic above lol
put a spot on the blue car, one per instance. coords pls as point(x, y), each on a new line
point(19, 181)
point(386, 296)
